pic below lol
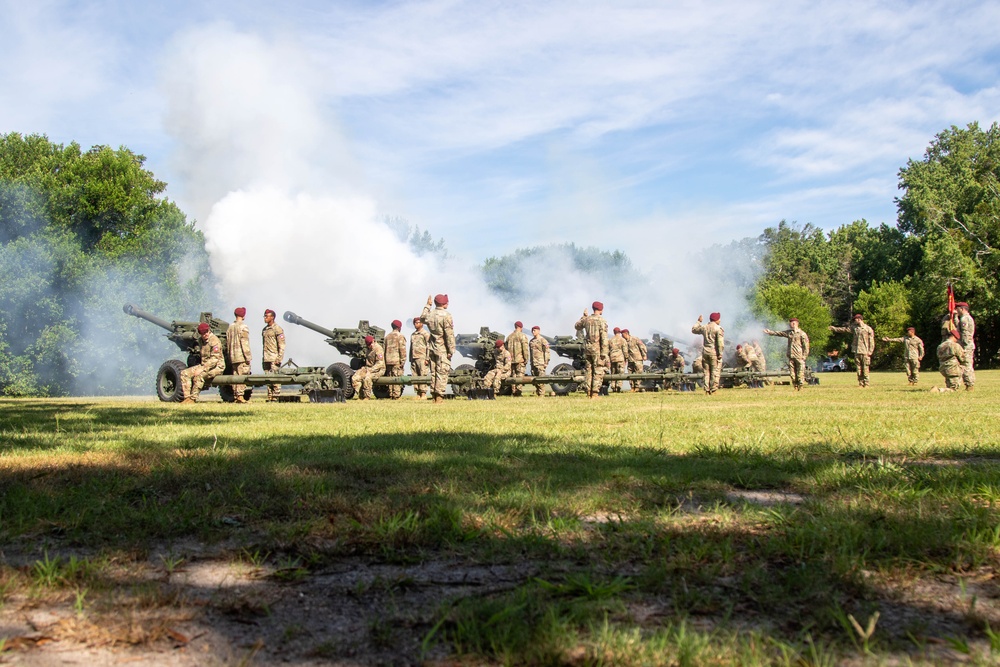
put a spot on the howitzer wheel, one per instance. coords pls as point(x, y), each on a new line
point(341, 375)
point(563, 388)
point(381, 390)
point(462, 390)
point(168, 381)
point(229, 396)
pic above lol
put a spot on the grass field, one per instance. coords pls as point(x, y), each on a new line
point(751, 527)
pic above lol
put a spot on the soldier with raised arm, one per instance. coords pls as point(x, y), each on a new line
point(539, 348)
point(501, 367)
point(374, 368)
point(274, 351)
point(967, 331)
point(419, 345)
point(798, 351)
point(517, 346)
point(862, 346)
point(395, 357)
point(595, 333)
point(951, 360)
point(913, 353)
point(442, 343)
point(713, 345)
point(211, 363)
point(618, 353)
point(238, 350)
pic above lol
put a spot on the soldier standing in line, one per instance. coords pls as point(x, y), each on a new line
point(862, 346)
point(798, 351)
point(913, 353)
point(967, 333)
point(617, 352)
point(635, 354)
point(714, 344)
point(374, 369)
point(419, 341)
point(238, 350)
point(442, 343)
point(395, 357)
point(517, 346)
point(211, 363)
point(539, 348)
point(595, 332)
point(274, 351)
point(951, 360)
point(501, 367)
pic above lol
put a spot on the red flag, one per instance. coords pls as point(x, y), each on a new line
point(951, 307)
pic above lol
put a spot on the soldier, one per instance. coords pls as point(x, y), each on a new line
point(274, 351)
point(746, 355)
point(517, 346)
point(913, 353)
point(677, 364)
point(635, 354)
point(211, 364)
point(967, 332)
point(442, 343)
point(238, 350)
point(798, 351)
point(951, 360)
point(714, 344)
point(595, 333)
point(539, 348)
point(618, 354)
point(419, 341)
point(862, 346)
point(761, 364)
point(395, 357)
point(374, 369)
point(501, 367)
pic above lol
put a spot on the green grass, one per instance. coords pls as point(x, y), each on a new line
point(636, 496)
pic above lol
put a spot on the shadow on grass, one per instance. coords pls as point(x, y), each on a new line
point(407, 497)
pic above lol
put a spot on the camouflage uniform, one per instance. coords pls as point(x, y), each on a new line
point(395, 359)
point(419, 341)
point(212, 363)
point(441, 328)
point(517, 345)
point(595, 331)
point(238, 351)
point(862, 347)
point(951, 362)
point(760, 365)
point(747, 357)
point(714, 344)
point(539, 348)
point(677, 365)
point(617, 352)
point(913, 354)
point(374, 369)
point(274, 352)
point(967, 329)
point(635, 354)
point(501, 369)
point(798, 352)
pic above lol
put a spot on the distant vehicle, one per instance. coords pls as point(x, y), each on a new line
point(834, 364)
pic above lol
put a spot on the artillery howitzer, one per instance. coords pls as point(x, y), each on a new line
point(185, 336)
point(574, 348)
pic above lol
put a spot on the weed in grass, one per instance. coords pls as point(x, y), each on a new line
point(47, 572)
point(171, 562)
point(290, 569)
point(80, 595)
point(994, 638)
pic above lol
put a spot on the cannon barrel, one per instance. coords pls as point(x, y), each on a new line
point(135, 311)
point(291, 317)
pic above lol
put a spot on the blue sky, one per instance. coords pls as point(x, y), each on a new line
point(639, 126)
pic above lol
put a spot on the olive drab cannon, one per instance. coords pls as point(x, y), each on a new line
point(350, 343)
point(184, 335)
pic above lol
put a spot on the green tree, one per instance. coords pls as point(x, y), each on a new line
point(779, 303)
point(886, 309)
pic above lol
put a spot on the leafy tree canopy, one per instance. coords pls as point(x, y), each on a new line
point(780, 303)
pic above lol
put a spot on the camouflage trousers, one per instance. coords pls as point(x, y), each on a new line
point(797, 369)
point(240, 368)
point(968, 372)
point(273, 390)
point(713, 372)
point(912, 370)
point(362, 380)
point(634, 367)
point(516, 370)
point(863, 362)
point(193, 379)
point(495, 379)
point(394, 371)
point(617, 368)
point(419, 367)
point(538, 371)
point(952, 381)
point(593, 375)
point(440, 368)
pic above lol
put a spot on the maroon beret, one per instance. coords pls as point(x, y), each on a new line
point(676, 351)
point(793, 319)
point(499, 343)
point(597, 305)
point(369, 340)
point(270, 311)
point(203, 328)
point(536, 328)
point(416, 319)
point(617, 330)
point(519, 324)
point(714, 317)
point(911, 329)
point(962, 304)
point(626, 331)
point(739, 347)
point(857, 316)
point(396, 324)
point(441, 300)
point(240, 312)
